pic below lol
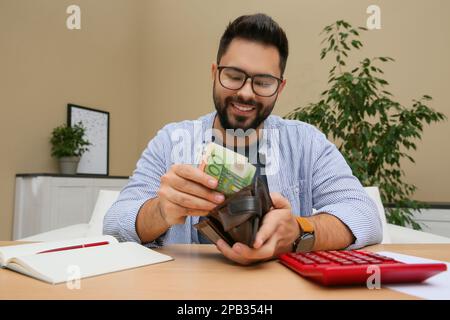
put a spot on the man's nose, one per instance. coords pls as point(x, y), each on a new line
point(246, 92)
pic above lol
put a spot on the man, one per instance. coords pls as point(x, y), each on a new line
point(166, 197)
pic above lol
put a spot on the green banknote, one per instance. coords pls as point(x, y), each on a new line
point(232, 170)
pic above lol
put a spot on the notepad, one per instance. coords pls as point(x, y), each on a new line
point(435, 288)
point(61, 266)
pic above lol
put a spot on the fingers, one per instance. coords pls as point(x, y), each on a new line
point(186, 200)
point(231, 254)
point(244, 255)
point(195, 174)
point(183, 190)
point(267, 251)
point(191, 212)
point(176, 214)
point(279, 202)
point(195, 189)
point(268, 228)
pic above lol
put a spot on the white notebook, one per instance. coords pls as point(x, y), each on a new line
point(61, 266)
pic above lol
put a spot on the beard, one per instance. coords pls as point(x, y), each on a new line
point(240, 122)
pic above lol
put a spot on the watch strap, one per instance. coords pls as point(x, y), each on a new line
point(305, 225)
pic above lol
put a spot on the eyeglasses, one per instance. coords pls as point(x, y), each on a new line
point(264, 85)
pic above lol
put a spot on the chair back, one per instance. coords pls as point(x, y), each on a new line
point(105, 200)
point(374, 194)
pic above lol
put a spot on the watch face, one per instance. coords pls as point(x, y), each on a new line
point(306, 243)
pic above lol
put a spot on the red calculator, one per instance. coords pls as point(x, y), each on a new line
point(355, 267)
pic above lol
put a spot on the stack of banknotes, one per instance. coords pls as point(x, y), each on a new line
point(231, 169)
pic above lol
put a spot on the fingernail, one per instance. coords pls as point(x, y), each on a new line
point(219, 197)
point(238, 248)
point(212, 182)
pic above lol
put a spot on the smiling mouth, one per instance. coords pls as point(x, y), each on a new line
point(242, 108)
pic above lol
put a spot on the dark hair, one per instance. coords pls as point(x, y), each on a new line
point(257, 27)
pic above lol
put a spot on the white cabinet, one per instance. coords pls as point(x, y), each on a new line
point(435, 219)
point(44, 202)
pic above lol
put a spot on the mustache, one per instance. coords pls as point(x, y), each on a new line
point(228, 100)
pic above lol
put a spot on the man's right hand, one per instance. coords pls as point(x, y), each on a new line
point(184, 191)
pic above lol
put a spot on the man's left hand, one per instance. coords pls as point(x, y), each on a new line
point(276, 235)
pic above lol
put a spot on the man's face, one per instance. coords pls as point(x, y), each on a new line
point(243, 109)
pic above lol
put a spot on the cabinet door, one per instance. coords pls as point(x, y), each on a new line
point(435, 221)
point(71, 201)
point(32, 206)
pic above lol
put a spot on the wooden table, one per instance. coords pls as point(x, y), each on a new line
point(201, 272)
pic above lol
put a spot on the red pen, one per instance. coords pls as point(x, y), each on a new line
point(87, 245)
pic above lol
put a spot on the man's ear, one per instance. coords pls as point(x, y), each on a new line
point(213, 70)
point(282, 84)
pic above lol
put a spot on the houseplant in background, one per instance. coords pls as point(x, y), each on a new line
point(372, 130)
point(68, 145)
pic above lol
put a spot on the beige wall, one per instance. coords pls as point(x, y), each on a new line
point(44, 66)
point(148, 63)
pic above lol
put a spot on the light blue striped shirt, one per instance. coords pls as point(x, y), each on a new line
point(307, 169)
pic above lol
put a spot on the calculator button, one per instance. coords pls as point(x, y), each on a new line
point(342, 260)
point(374, 261)
point(304, 260)
point(323, 261)
point(384, 258)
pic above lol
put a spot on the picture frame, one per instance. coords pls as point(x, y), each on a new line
point(95, 161)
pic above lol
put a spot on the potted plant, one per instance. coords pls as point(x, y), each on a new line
point(68, 145)
point(372, 130)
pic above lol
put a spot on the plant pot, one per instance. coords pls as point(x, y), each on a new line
point(69, 165)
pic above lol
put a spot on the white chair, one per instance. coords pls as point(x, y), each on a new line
point(105, 200)
point(397, 234)
point(374, 194)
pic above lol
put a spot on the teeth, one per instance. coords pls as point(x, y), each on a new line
point(242, 108)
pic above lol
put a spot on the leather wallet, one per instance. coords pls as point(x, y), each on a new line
point(239, 217)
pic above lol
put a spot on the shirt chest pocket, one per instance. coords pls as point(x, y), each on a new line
point(295, 192)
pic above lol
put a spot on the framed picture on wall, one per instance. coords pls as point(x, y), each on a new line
point(95, 161)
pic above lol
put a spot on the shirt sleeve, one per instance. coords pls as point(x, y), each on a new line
point(120, 220)
point(336, 191)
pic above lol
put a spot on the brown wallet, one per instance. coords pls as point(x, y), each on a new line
point(239, 217)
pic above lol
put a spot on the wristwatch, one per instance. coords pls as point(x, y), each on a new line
point(306, 239)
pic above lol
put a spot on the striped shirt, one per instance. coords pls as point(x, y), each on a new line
point(303, 166)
